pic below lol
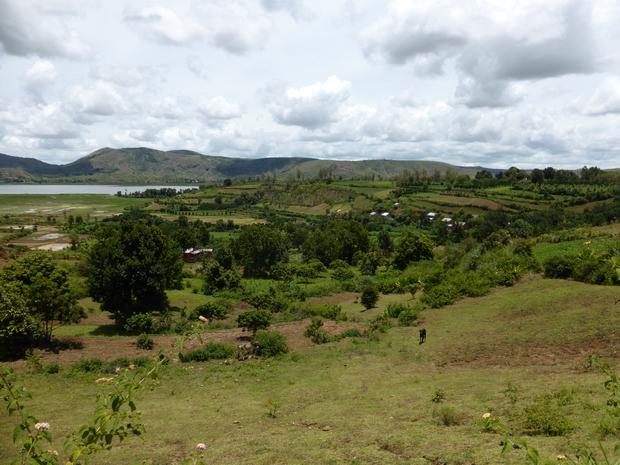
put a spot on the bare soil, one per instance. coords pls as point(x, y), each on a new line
point(111, 348)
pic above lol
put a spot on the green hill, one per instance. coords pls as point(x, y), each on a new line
point(145, 165)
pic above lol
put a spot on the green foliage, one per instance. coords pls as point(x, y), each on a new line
point(19, 330)
point(343, 274)
point(447, 416)
point(145, 342)
point(217, 278)
point(131, 268)
point(348, 333)
point(409, 316)
point(140, 324)
point(270, 343)
point(315, 332)
point(253, 320)
point(210, 351)
point(301, 311)
point(211, 311)
point(412, 247)
point(545, 417)
point(88, 365)
point(259, 247)
point(380, 323)
point(45, 288)
point(438, 397)
point(370, 297)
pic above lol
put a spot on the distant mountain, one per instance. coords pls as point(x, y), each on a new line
point(145, 165)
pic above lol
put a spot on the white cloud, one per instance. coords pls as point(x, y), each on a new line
point(23, 32)
point(196, 66)
point(218, 108)
point(228, 25)
point(310, 107)
point(100, 99)
point(605, 100)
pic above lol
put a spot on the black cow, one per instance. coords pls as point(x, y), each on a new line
point(422, 335)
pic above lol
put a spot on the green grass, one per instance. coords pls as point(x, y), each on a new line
point(18, 204)
point(544, 250)
point(496, 354)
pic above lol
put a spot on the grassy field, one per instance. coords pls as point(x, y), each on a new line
point(516, 351)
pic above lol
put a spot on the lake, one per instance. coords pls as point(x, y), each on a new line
point(56, 189)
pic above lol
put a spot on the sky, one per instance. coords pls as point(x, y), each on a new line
point(493, 83)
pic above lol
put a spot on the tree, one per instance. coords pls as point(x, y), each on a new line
point(370, 297)
point(132, 266)
point(216, 277)
point(45, 288)
point(19, 329)
point(260, 247)
point(412, 247)
point(253, 320)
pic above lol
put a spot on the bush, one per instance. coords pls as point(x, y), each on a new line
point(408, 316)
point(447, 416)
point(145, 342)
point(394, 310)
point(51, 368)
point(343, 274)
point(348, 333)
point(19, 331)
point(270, 343)
point(209, 310)
point(88, 365)
point(543, 417)
point(315, 332)
point(141, 323)
point(560, 266)
point(380, 323)
point(253, 320)
point(370, 297)
point(210, 351)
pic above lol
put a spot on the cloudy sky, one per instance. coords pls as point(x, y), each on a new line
point(497, 83)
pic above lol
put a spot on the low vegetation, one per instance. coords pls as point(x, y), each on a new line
point(514, 284)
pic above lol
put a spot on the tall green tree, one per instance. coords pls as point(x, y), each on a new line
point(412, 247)
point(45, 289)
point(260, 247)
point(132, 266)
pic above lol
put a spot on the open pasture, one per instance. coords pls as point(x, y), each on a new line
point(385, 400)
point(96, 205)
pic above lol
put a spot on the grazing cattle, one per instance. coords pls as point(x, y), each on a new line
point(246, 350)
point(422, 335)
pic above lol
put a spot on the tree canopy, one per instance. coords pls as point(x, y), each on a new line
point(260, 247)
point(45, 289)
point(131, 268)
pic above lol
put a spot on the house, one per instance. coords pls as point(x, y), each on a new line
point(192, 255)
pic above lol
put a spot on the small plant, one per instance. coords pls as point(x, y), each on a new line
point(370, 297)
point(315, 333)
point(447, 416)
point(439, 396)
point(210, 351)
point(145, 342)
point(546, 419)
point(490, 424)
point(270, 343)
point(272, 408)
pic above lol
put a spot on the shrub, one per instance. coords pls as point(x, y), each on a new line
point(560, 266)
point(253, 320)
point(343, 274)
point(315, 332)
point(408, 316)
point(270, 343)
point(88, 365)
point(370, 297)
point(51, 368)
point(19, 330)
point(210, 351)
point(348, 333)
point(394, 310)
point(447, 416)
point(380, 323)
point(543, 417)
point(209, 310)
point(141, 323)
point(145, 342)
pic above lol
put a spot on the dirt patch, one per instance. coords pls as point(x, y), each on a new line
point(335, 299)
point(111, 348)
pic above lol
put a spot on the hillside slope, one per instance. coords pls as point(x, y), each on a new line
point(149, 165)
